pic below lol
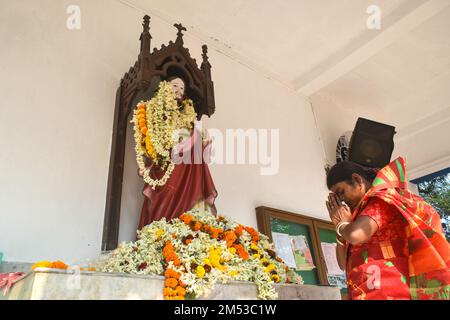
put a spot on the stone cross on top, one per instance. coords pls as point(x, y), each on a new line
point(180, 28)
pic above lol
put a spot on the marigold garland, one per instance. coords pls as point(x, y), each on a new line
point(170, 254)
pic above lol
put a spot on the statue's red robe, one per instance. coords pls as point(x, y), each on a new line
point(188, 184)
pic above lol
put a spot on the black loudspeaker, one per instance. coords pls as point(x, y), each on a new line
point(372, 143)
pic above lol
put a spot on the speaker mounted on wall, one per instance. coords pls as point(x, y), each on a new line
point(372, 143)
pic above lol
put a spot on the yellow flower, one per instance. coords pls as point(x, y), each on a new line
point(264, 260)
point(275, 278)
point(232, 250)
point(213, 251)
point(254, 246)
point(42, 264)
point(215, 261)
point(200, 271)
point(214, 256)
point(221, 267)
point(269, 268)
point(207, 261)
point(159, 232)
point(233, 273)
point(256, 256)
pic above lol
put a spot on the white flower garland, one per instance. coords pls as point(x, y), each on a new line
point(163, 118)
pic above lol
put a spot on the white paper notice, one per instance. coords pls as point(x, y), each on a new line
point(283, 248)
point(329, 254)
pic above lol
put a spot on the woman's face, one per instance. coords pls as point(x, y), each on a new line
point(350, 193)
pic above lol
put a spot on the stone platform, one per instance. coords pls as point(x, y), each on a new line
point(51, 284)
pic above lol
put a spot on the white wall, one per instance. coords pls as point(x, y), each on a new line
point(132, 197)
point(58, 90)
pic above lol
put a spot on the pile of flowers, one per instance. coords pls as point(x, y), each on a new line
point(156, 125)
point(197, 250)
point(52, 265)
point(56, 265)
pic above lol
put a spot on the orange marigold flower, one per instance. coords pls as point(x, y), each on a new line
point(241, 251)
point(181, 291)
point(197, 226)
point(186, 218)
point(171, 282)
point(253, 233)
point(215, 234)
point(170, 273)
point(230, 238)
point(167, 246)
point(167, 292)
point(59, 265)
point(169, 254)
point(238, 230)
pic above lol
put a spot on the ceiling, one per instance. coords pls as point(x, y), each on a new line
point(290, 40)
point(406, 81)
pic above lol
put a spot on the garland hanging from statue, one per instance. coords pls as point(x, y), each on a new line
point(156, 126)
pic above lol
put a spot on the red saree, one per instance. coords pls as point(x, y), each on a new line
point(188, 184)
point(408, 257)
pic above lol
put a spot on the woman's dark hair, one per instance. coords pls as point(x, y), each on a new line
point(342, 171)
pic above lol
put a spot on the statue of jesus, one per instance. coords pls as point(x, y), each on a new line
point(190, 184)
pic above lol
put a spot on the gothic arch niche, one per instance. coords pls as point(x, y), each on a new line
point(139, 83)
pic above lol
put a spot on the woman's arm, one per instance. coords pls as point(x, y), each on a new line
point(360, 231)
point(341, 255)
point(356, 232)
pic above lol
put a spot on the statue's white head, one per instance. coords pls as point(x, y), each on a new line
point(178, 87)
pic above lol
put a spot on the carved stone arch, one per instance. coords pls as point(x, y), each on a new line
point(140, 83)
